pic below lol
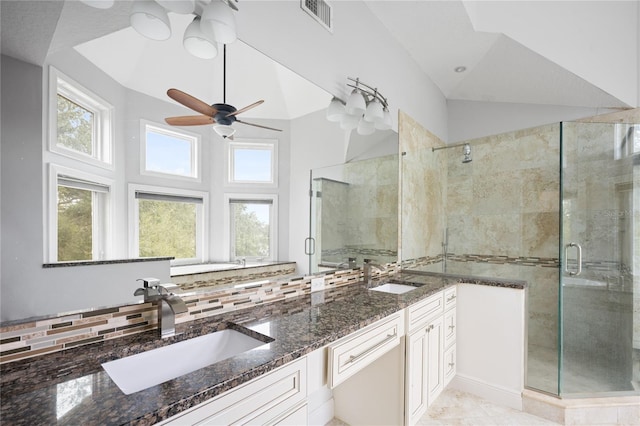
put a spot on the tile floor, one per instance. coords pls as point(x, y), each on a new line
point(454, 407)
point(459, 408)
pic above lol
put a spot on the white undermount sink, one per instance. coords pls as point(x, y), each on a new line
point(137, 372)
point(393, 288)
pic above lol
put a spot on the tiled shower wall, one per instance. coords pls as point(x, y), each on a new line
point(504, 206)
point(358, 215)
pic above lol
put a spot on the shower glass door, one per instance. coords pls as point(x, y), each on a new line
point(600, 250)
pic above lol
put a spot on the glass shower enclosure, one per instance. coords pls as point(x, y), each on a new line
point(599, 291)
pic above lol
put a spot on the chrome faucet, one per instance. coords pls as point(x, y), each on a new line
point(169, 304)
point(242, 262)
point(366, 270)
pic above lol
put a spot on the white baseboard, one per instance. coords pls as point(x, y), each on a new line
point(497, 394)
point(321, 415)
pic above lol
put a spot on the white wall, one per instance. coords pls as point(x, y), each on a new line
point(562, 31)
point(490, 343)
point(474, 119)
point(359, 45)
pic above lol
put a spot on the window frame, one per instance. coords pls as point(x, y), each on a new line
point(273, 231)
point(102, 215)
point(231, 145)
point(202, 220)
point(103, 146)
point(196, 144)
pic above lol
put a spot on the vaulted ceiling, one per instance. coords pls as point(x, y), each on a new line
point(439, 35)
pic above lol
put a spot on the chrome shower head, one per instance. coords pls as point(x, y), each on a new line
point(466, 151)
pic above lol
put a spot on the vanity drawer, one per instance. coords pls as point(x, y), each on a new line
point(422, 312)
point(450, 295)
point(260, 401)
point(354, 352)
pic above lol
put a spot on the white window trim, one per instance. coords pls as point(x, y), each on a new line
point(202, 217)
point(273, 237)
point(251, 143)
point(182, 134)
point(103, 112)
point(105, 240)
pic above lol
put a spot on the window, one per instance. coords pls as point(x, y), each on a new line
point(168, 152)
point(80, 121)
point(252, 227)
point(168, 223)
point(80, 216)
point(252, 162)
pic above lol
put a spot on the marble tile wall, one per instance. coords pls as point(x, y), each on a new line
point(503, 207)
point(424, 193)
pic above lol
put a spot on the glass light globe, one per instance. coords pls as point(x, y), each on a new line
point(366, 127)
point(356, 104)
point(385, 123)
point(221, 21)
point(374, 111)
point(335, 111)
point(198, 41)
point(150, 19)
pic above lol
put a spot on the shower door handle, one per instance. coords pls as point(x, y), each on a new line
point(578, 271)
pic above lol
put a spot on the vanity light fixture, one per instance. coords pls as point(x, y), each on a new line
point(214, 22)
point(365, 110)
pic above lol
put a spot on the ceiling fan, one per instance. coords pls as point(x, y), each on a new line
point(222, 115)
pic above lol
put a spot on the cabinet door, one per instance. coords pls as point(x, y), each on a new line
point(416, 377)
point(434, 361)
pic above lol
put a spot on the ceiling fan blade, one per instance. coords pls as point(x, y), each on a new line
point(258, 125)
point(191, 102)
point(189, 120)
point(248, 107)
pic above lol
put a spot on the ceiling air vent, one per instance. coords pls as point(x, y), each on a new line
point(319, 10)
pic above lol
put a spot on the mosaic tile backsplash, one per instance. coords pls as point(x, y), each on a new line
point(39, 337)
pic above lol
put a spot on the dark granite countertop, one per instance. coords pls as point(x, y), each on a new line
point(70, 387)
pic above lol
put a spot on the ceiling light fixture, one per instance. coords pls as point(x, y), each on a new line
point(365, 110)
point(214, 22)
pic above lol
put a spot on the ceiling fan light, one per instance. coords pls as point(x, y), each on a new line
point(150, 19)
point(224, 131)
point(385, 123)
point(356, 104)
point(366, 127)
point(349, 122)
point(99, 4)
point(178, 6)
point(221, 21)
point(198, 41)
point(374, 111)
point(335, 111)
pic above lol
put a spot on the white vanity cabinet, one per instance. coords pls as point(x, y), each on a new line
point(275, 398)
point(430, 347)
